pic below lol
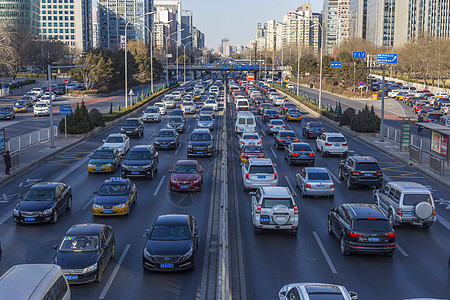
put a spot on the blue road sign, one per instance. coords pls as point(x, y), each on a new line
point(226, 67)
point(276, 57)
point(336, 64)
point(65, 110)
point(361, 83)
point(387, 58)
point(359, 54)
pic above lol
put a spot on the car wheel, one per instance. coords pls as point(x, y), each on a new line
point(257, 230)
point(341, 177)
point(349, 183)
point(69, 203)
point(152, 173)
point(389, 254)
point(343, 248)
point(391, 219)
point(99, 274)
point(330, 230)
point(54, 217)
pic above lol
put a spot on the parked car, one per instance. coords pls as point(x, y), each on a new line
point(133, 127)
point(186, 175)
point(114, 197)
point(118, 140)
point(332, 143)
point(315, 290)
point(283, 138)
point(299, 153)
point(257, 172)
point(166, 139)
point(315, 182)
point(200, 143)
point(312, 129)
point(141, 161)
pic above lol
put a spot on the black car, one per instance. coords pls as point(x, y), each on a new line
point(43, 203)
point(60, 90)
point(361, 228)
point(84, 252)
point(166, 139)
point(287, 106)
point(283, 138)
point(7, 113)
point(176, 123)
point(171, 244)
point(178, 113)
point(270, 114)
point(361, 170)
point(299, 153)
point(312, 129)
point(201, 143)
point(133, 127)
point(141, 161)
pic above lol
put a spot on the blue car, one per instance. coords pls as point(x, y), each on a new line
point(7, 113)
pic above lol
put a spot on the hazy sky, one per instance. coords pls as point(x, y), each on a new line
point(237, 19)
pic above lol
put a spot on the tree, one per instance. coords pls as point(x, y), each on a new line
point(79, 122)
point(365, 121)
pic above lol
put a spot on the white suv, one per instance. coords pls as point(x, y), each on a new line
point(152, 114)
point(332, 143)
point(258, 172)
point(188, 107)
point(274, 208)
point(169, 101)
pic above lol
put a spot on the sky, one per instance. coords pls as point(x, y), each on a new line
point(238, 19)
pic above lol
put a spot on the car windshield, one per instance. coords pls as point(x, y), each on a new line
point(40, 105)
point(185, 169)
point(79, 243)
point(19, 103)
point(412, 199)
point(371, 225)
point(207, 108)
point(5, 109)
point(288, 134)
point(166, 134)
point(114, 139)
point(170, 233)
point(175, 120)
point(200, 137)
point(271, 112)
point(188, 103)
point(205, 118)
point(252, 149)
point(211, 101)
point(151, 110)
point(277, 122)
point(102, 154)
point(159, 105)
point(271, 202)
point(294, 111)
point(131, 123)
point(434, 116)
point(315, 125)
point(39, 195)
point(138, 155)
point(302, 147)
point(261, 169)
point(177, 113)
point(337, 139)
point(113, 189)
point(325, 296)
point(367, 166)
point(250, 137)
point(318, 176)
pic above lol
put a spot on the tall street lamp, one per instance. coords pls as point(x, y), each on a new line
point(184, 58)
point(167, 45)
point(282, 46)
point(151, 57)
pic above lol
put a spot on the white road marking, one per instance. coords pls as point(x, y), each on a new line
point(114, 273)
point(6, 216)
point(401, 250)
point(159, 185)
point(443, 221)
point(442, 201)
point(273, 152)
point(5, 198)
point(334, 177)
point(88, 203)
point(263, 133)
point(324, 252)
point(71, 169)
point(20, 184)
point(178, 149)
point(289, 183)
point(151, 136)
point(189, 127)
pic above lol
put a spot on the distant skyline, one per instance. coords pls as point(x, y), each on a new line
point(237, 19)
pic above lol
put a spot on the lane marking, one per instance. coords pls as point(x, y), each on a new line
point(289, 183)
point(5, 198)
point(159, 185)
point(151, 136)
point(334, 177)
point(88, 203)
point(70, 170)
point(114, 273)
point(401, 250)
point(6, 216)
point(178, 149)
point(20, 184)
point(324, 252)
point(263, 133)
point(443, 221)
point(189, 127)
point(273, 152)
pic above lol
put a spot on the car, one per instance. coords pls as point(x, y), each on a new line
point(31, 95)
point(115, 197)
point(278, 101)
point(37, 91)
point(171, 244)
point(7, 113)
point(176, 123)
point(445, 108)
point(275, 125)
point(406, 202)
point(200, 143)
point(141, 161)
point(294, 114)
point(257, 172)
point(432, 117)
point(332, 143)
point(314, 181)
point(263, 107)
point(43, 203)
point(20, 106)
point(290, 86)
point(312, 291)
point(274, 208)
point(166, 139)
point(161, 106)
point(422, 114)
point(118, 140)
point(103, 160)
point(206, 121)
point(60, 90)
point(85, 251)
point(361, 228)
point(152, 114)
point(213, 103)
point(188, 107)
point(283, 138)
point(312, 129)
point(208, 110)
point(359, 170)
point(299, 153)
point(178, 113)
point(186, 175)
point(249, 138)
point(133, 127)
point(28, 100)
point(52, 95)
point(250, 151)
point(177, 95)
point(41, 108)
point(270, 114)
point(169, 101)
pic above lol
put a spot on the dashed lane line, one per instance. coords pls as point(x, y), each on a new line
point(273, 152)
point(289, 183)
point(114, 273)
point(401, 250)
point(159, 185)
point(324, 252)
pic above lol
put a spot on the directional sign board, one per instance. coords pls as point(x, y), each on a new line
point(336, 64)
point(65, 110)
point(359, 54)
point(387, 58)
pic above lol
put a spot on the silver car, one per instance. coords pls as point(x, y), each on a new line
point(257, 172)
point(206, 121)
point(312, 290)
point(315, 182)
point(275, 125)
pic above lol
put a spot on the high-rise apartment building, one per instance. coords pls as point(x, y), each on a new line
point(336, 23)
point(271, 35)
point(20, 13)
point(95, 27)
point(198, 39)
point(187, 24)
point(166, 23)
point(174, 6)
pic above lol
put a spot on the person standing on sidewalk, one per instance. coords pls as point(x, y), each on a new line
point(7, 158)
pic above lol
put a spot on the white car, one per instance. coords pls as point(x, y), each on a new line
point(177, 95)
point(37, 91)
point(152, 114)
point(311, 290)
point(48, 94)
point(279, 101)
point(332, 143)
point(290, 86)
point(31, 95)
point(258, 172)
point(188, 107)
point(393, 93)
point(213, 103)
point(118, 140)
point(41, 108)
point(249, 138)
point(169, 101)
point(162, 107)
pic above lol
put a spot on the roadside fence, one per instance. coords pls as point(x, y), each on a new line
point(19, 142)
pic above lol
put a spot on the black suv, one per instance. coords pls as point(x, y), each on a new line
point(284, 138)
point(166, 139)
point(141, 161)
point(133, 127)
point(361, 170)
point(361, 228)
point(200, 143)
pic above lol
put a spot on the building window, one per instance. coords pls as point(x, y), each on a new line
point(72, 30)
point(72, 24)
point(61, 30)
point(44, 18)
point(49, 24)
point(67, 31)
point(60, 6)
point(72, 18)
point(60, 24)
point(66, 24)
point(67, 37)
point(45, 37)
point(71, 6)
point(60, 18)
point(44, 30)
point(71, 12)
point(55, 24)
point(44, 24)
point(66, 18)
point(50, 31)
point(72, 37)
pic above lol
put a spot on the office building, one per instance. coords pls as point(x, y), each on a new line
point(187, 24)
point(95, 27)
point(198, 38)
point(166, 24)
point(336, 23)
point(23, 13)
point(174, 6)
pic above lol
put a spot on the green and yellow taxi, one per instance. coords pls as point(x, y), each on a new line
point(20, 106)
point(104, 160)
point(294, 114)
point(115, 197)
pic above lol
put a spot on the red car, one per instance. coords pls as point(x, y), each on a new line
point(187, 175)
point(251, 151)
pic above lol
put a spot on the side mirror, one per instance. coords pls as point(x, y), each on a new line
point(353, 295)
point(342, 161)
point(95, 192)
point(104, 141)
point(253, 193)
point(196, 235)
point(170, 171)
point(294, 194)
point(20, 196)
point(202, 171)
point(146, 233)
point(55, 247)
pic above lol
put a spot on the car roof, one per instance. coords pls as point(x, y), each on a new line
point(142, 147)
point(172, 219)
point(85, 229)
point(276, 191)
point(364, 211)
point(260, 161)
point(287, 132)
point(201, 131)
point(409, 186)
point(361, 158)
point(45, 185)
point(116, 135)
point(315, 170)
point(334, 134)
point(186, 162)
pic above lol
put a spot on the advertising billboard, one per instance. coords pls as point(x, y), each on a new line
point(439, 143)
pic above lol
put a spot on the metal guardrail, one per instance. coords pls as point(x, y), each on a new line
point(19, 142)
point(437, 164)
point(415, 154)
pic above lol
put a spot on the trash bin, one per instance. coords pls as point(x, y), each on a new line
point(375, 96)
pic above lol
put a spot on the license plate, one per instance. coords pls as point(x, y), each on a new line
point(373, 239)
point(288, 142)
point(199, 152)
point(128, 131)
point(367, 174)
point(407, 212)
point(72, 277)
point(316, 130)
point(303, 155)
point(166, 266)
point(135, 173)
point(277, 127)
point(251, 143)
point(320, 186)
point(164, 145)
point(261, 177)
point(108, 211)
point(337, 145)
point(265, 220)
point(184, 187)
point(98, 169)
point(29, 219)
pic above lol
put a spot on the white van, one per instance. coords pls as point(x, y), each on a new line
point(245, 122)
point(34, 282)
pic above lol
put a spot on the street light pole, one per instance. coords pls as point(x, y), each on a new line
point(151, 57)
point(184, 59)
point(167, 44)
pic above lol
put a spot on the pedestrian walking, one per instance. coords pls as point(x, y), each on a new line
point(7, 158)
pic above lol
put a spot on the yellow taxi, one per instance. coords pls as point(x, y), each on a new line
point(104, 160)
point(293, 114)
point(115, 197)
point(20, 106)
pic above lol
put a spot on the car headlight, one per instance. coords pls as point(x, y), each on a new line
point(196, 181)
point(120, 205)
point(96, 206)
point(91, 166)
point(16, 212)
point(189, 146)
point(173, 180)
point(147, 255)
point(124, 166)
point(47, 211)
point(107, 165)
point(188, 254)
point(210, 146)
point(146, 167)
point(90, 268)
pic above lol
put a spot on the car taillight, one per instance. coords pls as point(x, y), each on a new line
point(289, 115)
point(356, 172)
point(309, 130)
point(354, 234)
point(242, 143)
point(275, 176)
point(258, 210)
point(323, 130)
point(391, 235)
point(379, 172)
point(312, 154)
point(308, 186)
point(434, 212)
point(345, 144)
point(271, 126)
point(294, 154)
point(261, 156)
point(399, 211)
point(259, 143)
point(327, 144)
point(332, 186)
point(295, 141)
point(295, 210)
point(277, 116)
point(281, 141)
point(247, 175)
